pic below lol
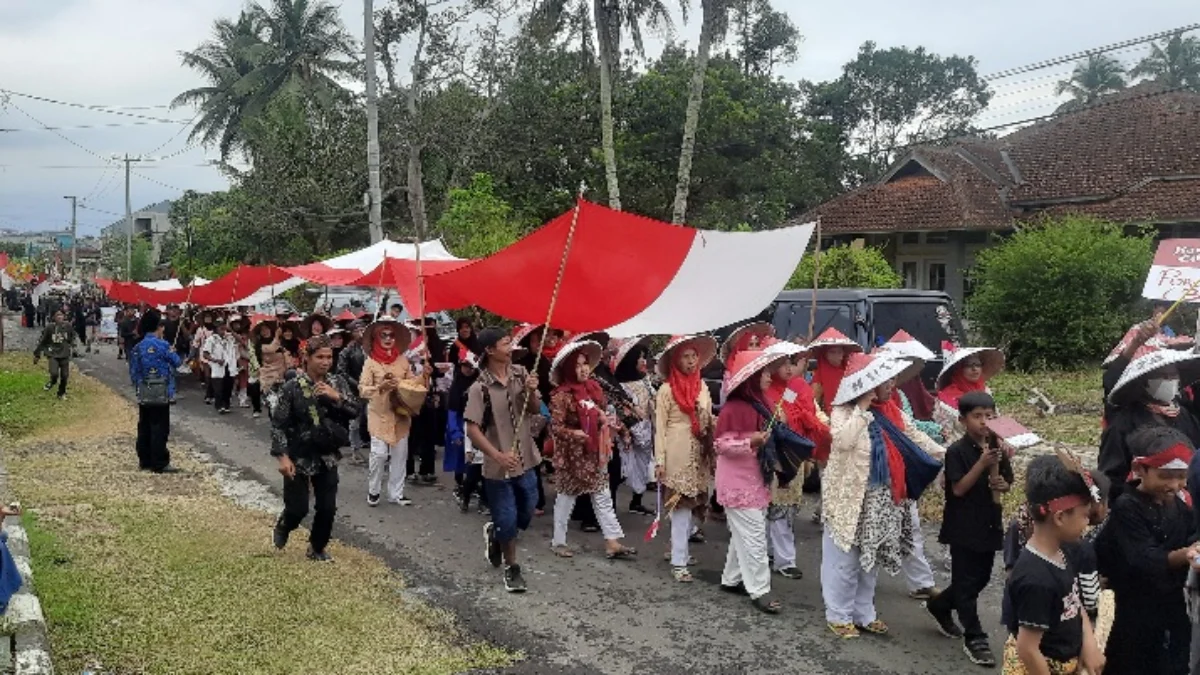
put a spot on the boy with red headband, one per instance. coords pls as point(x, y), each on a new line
point(1144, 551)
point(1049, 631)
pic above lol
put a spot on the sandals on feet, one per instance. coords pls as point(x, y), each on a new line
point(623, 553)
point(737, 589)
point(845, 631)
point(562, 551)
point(790, 573)
point(682, 575)
point(876, 627)
point(767, 604)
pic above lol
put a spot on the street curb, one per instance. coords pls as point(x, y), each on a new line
point(27, 649)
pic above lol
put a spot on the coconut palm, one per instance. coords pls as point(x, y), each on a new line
point(612, 19)
point(1093, 77)
point(294, 48)
point(714, 23)
point(1175, 63)
point(222, 103)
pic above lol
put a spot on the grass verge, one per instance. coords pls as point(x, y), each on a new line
point(26, 408)
point(141, 573)
point(1078, 395)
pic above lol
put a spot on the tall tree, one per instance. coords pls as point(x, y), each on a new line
point(612, 19)
point(714, 22)
point(765, 37)
point(222, 104)
point(889, 99)
point(1093, 77)
point(296, 48)
point(1176, 63)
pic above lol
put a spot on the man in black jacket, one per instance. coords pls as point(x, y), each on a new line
point(308, 429)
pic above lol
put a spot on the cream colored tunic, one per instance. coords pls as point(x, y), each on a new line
point(676, 448)
point(382, 421)
point(844, 478)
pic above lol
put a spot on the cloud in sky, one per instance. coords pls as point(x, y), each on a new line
point(125, 53)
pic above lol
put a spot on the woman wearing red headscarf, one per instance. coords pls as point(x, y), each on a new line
point(967, 369)
point(792, 396)
point(683, 456)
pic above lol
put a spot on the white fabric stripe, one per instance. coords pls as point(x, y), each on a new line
point(265, 293)
point(367, 259)
point(726, 277)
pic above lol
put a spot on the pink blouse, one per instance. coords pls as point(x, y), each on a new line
point(739, 480)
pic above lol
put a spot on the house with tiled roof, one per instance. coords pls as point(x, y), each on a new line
point(1133, 158)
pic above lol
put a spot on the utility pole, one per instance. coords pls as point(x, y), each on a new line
point(74, 239)
point(128, 221)
point(374, 191)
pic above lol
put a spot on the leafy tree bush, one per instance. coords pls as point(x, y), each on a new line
point(847, 266)
point(478, 223)
point(1061, 292)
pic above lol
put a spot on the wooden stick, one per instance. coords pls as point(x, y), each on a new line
point(812, 311)
point(1186, 292)
point(562, 269)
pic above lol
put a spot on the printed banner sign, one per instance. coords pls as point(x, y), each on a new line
point(108, 323)
point(1175, 271)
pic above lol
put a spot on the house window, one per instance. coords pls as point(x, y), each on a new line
point(910, 238)
point(908, 270)
point(976, 237)
point(937, 277)
point(937, 237)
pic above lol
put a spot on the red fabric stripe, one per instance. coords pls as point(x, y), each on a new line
point(1178, 451)
point(618, 265)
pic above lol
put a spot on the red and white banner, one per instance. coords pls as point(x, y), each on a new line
point(1175, 271)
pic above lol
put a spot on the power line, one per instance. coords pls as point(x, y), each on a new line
point(103, 109)
point(86, 126)
point(1087, 52)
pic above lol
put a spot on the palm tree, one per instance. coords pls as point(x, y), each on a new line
point(714, 23)
point(296, 48)
point(222, 103)
point(612, 20)
point(1092, 78)
point(1175, 64)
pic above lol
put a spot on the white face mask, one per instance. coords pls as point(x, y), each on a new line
point(1162, 391)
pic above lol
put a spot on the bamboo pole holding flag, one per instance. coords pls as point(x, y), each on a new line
point(812, 311)
point(537, 359)
point(1175, 305)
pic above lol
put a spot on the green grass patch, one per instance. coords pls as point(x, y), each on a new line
point(26, 408)
point(1078, 395)
point(143, 573)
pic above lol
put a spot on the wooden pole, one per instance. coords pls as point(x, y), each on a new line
point(562, 269)
point(812, 311)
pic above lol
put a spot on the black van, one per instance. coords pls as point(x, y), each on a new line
point(867, 316)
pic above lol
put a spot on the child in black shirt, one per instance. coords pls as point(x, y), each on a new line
point(1049, 630)
point(1144, 552)
point(971, 524)
point(1081, 554)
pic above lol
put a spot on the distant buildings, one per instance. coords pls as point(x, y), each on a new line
point(152, 222)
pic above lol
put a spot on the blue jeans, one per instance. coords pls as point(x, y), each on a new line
point(512, 501)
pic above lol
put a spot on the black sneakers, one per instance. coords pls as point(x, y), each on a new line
point(278, 537)
point(514, 582)
point(491, 547)
point(319, 556)
point(980, 653)
point(945, 622)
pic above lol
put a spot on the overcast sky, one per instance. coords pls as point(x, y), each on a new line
point(125, 53)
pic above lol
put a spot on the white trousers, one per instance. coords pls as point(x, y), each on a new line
point(917, 572)
point(848, 591)
point(681, 530)
point(395, 455)
point(605, 515)
point(746, 561)
point(782, 541)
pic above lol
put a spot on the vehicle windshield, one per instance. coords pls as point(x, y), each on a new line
point(931, 323)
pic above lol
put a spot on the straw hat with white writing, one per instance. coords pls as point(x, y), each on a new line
point(1149, 361)
point(591, 349)
point(865, 372)
point(749, 362)
point(904, 346)
point(759, 329)
point(832, 337)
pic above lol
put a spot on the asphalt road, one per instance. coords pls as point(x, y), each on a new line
point(587, 614)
